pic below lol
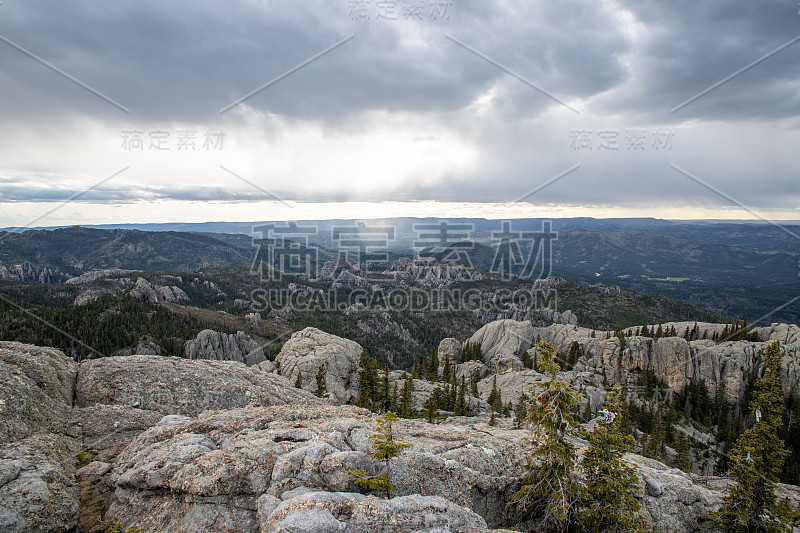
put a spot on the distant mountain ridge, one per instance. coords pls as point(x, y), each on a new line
point(72, 251)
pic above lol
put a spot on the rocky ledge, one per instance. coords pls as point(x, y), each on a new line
point(170, 444)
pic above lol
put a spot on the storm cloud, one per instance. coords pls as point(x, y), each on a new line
point(462, 101)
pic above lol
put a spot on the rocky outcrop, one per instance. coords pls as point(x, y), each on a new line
point(307, 350)
point(172, 385)
point(470, 368)
point(448, 349)
point(37, 460)
point(27, 271)
point(210, 344)
point(97, 274)
point(145, 291)
point(89, 296)
point(678, 362)
point(503, 340)
point(36, 389)
point(37, 487)
point(356, 513)
point(253, 469)
point(194, 468)
point(423, 389)
point(146, 346)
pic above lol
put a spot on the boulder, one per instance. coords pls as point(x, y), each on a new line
point(235, 470)
point(171, 385)
point(471, 368)
point(36, 390)
point(216, 346)
point(448, 349)
point(503, 338)
point(307, 350)
point(145, 291)
point(38, 491)
point(225, 460)
point(322, 512)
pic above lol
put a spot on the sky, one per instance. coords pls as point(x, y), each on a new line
point(163, 111)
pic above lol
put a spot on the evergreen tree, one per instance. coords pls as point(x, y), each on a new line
point(386, 446)
point(474, 385)
point(394, 399)
point(575, 353)
point(322, 389)
point(520, 410)
point(550, 489)
point(385, 390)
point(419, 368)
point(492, 399)
point(681, 459)
point(655, 444)
point(298, 383)
point(495, 397)
point(367, 380)
point(446, 370)
point(527, 362)
point(454, 389)
point(461, 402)
point(608, 501)
point(750, 504)
point(587, 412)
point(405, 404)
point(430, 406)
point(492, 419)
point(432, 372)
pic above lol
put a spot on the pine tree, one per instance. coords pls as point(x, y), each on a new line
point(461, 402)
point(386, 446)
point(608, 501)
point(394, 399)
point(587, 412)
point(655, 443)
point(681, 459)
point(430, 406)
point(492, 419)
point(385, 392)
point(527, 362)
point(322, 389)
point(432, 372)
point(520, 410)
point(550, 488)
point(446, 370)
point(750, 504)
point(474, 385)
point(408, 389)
point(453, 389)
point(367, 380)
point(419, 367)
point(298, 383)
point(492, 399)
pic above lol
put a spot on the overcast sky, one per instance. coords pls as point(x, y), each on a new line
point(408, 107)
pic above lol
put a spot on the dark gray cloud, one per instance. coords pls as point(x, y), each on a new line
point(622, 64)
